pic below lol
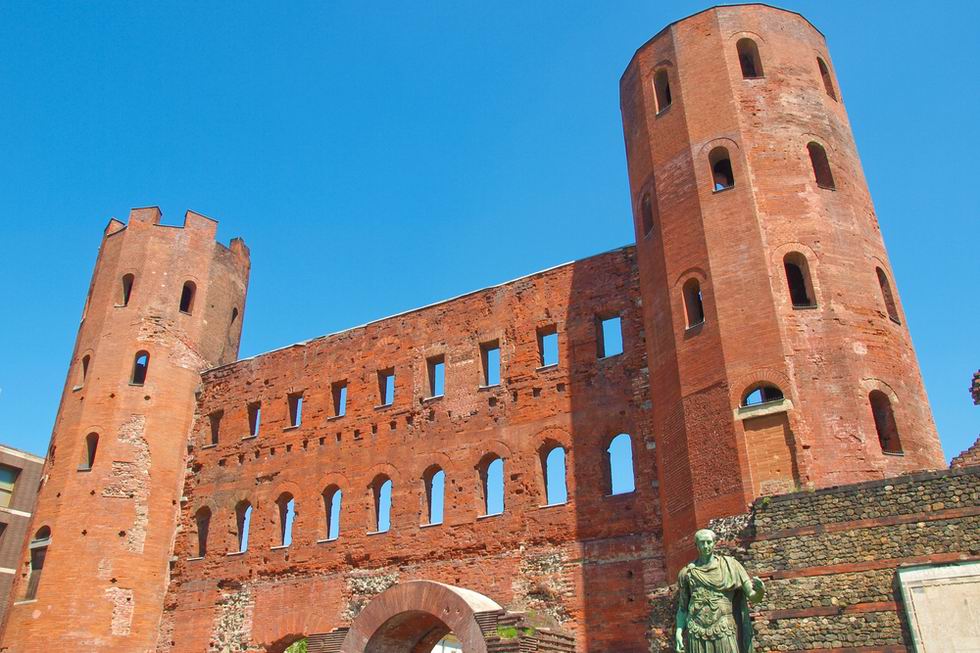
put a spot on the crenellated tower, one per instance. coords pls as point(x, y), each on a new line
point(779, 354)
point(164, 304)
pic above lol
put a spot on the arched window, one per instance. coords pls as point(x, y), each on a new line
point(187, 297)
point(620, 460)
point(434, 481)
point(88, 455)
point(203, 521)
point(884, 416)
point(243, 519)
point(886, 295)
point(646, 214)
point(748, 58)
point(798, 280)
point(492, 484)
point(828, 82)
point(821, 166)
point(761, 394)
point(332, 498)
point(555, 479)
point(140, 365)
point(234, 315)
point(381, 492)
point(39, 549)
point(127, 289)
point(83, 372)
point(287, 514)
point(661, 87)
point(693, 305)
point(722, 176)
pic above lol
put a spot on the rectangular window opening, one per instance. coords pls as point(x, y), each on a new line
point(215, 419)
point(437, 375)
point(609, 336)
point(339, 391)
point(295, 401)
point(8, 479)
point(386, 386)
point(254, 418)
point(490, 355)
point(548, 345)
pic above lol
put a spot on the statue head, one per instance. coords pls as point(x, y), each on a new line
point(705, 540)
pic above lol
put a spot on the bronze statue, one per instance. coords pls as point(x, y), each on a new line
point(712, 604)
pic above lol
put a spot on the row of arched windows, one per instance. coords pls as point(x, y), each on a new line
point(492, 495)
point(187, 292)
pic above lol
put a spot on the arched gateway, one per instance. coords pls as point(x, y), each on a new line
point(412, 617)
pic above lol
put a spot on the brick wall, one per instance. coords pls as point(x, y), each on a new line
point(15, 518)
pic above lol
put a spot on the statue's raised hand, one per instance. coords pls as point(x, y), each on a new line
point(679, 640)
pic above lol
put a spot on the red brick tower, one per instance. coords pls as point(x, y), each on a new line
point(96, 568)
point(762, 269)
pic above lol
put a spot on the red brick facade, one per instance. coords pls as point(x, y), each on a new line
point(176, 458)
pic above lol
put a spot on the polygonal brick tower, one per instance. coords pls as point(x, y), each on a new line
point(778, 352)
point(164, 304)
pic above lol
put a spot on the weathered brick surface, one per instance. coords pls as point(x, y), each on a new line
point(968, 458)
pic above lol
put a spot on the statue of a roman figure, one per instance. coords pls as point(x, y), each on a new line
point(713, 593)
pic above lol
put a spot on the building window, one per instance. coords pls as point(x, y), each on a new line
point(436, 367)
point(243, 519)
point(381, 492)
point(555, 478)
point(254, 418)
point(722, 176)
point(332, 499)
point(187, 297)
point(620, 461)
point(215, 421)
point(295, 404)
point(287, 514)
point(693, 303)
point(647, 211)
point(798, 280)
point(609, 336)
point(548, 346)
point(434, 481)
point(386, 386)
point(761, 394)
point(126, 292)
point(748, 58)
point(661, 87)
point(821, 166)
point(490, 357)
point(39, 549)
point(140, 365)
point(8, 479)
point(88, 454)
point(492, 484)
point(203, 521)
point(828, 82)
point(83, 372)
point(884, 417)
point(886, 295)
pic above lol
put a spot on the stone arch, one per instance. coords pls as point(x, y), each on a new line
point(410, 616)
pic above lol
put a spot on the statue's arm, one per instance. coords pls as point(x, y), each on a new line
point(754, 589)
point(681, 619)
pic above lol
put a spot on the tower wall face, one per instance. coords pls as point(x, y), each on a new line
point(827, 358)
point(112, 517)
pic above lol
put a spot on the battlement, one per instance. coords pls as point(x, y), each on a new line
point(200, 225)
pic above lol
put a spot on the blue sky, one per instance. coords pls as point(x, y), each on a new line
point(381, 156)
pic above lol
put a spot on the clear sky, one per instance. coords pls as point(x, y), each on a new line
point(381, 156)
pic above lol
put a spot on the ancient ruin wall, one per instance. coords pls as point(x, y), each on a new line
point(585, 565)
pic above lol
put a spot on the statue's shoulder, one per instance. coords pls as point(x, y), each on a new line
point(685, 572)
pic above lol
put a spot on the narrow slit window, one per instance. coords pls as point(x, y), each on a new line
point(437, 375)
point(332, 500)
point(8, 481)
point(884, 418)
point(490, 357)
point(39, 549)
point(646, 214)
point(295, 402)
point(243, 518)
point(828, 82)
point(381, 489)
point(140, 365)
point(821, 166)
point(722, 176)
point(435, 489)
point(88, 454)
point(620, 461)
point(693, 303)
point(215, 422)
point(661, 87)
point(798, 280)
point(254, 418)
point(287, 514)
point(127, 289)
point(609, 336)
point(203, 522)
point(234, 315)
point(886, 295)
point(339, 392)
point(187, 297)
point(548, 346)
point(748, 58)
point(83, 372)
point(555, 479)
point(492, 477)
point(762, 394)
point(386, 386)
